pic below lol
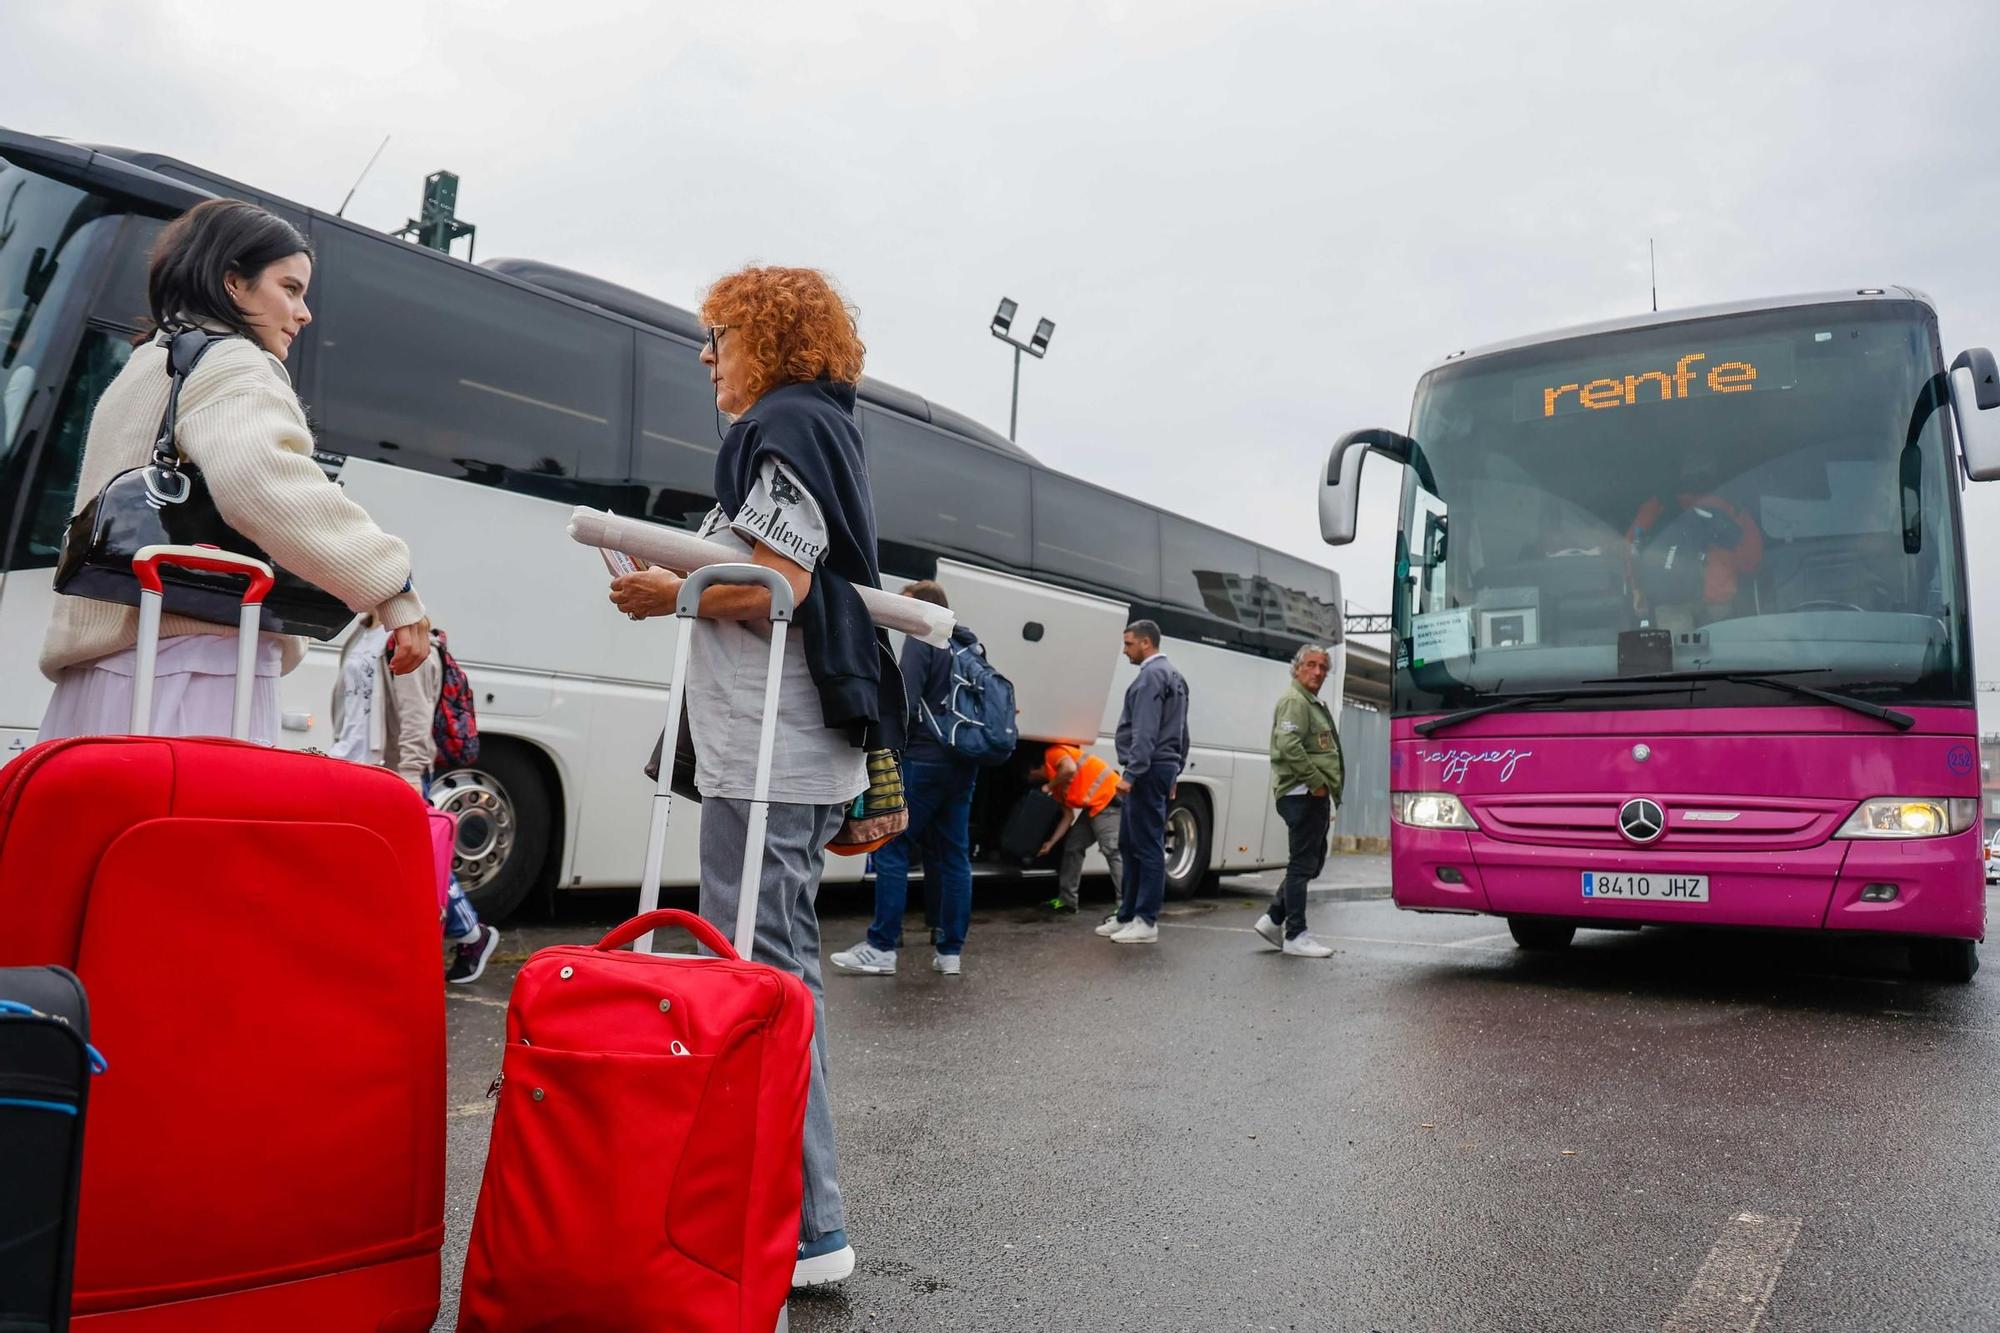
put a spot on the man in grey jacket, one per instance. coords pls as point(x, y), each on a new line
point(1152, 751)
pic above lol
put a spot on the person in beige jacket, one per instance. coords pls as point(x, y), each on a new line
point(231, 268)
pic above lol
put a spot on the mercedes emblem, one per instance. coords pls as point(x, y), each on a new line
point(1642, 752)
point(1641, 820)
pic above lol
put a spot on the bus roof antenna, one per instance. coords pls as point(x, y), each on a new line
point(343, 211)
point(1653, 260)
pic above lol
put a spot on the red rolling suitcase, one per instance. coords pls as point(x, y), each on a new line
point(644, 1172)
point(258, 932)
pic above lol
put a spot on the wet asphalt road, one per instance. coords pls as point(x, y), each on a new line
point(1431, 1130)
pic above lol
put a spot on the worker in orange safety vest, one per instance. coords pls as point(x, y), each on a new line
point(1087, 789)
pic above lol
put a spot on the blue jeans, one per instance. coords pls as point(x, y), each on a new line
point(460, 921)
point(1142, 841)
point(940, 799)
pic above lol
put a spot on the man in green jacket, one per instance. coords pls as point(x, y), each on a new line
point(1306, 778)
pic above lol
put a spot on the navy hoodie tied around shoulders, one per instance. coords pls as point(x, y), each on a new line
point(809, 427)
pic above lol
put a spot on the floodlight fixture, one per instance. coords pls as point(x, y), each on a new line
point(1039, 344)
point(1003, 318)
point(1036, 346)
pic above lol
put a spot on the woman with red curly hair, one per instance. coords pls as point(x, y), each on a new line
point(792, 495)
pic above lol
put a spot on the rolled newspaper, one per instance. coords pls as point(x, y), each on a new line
point(683, 551)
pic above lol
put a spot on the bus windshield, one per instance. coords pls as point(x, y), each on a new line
point(1761, 493)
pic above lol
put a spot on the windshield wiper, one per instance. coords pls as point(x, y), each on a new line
point(1435, 724)
point(1773, 680)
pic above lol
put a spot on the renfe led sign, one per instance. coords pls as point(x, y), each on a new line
point(1660, 378)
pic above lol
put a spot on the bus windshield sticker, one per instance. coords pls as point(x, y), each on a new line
point(1660, 377)
point(1441, 634)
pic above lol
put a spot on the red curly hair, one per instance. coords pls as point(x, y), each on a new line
point(794, 326)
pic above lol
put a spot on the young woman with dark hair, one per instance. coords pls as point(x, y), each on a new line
point(231, 269)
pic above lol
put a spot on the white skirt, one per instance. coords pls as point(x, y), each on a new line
point(194, 691)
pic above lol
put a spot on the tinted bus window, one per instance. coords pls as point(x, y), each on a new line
point(441, 368)
point(1209, 571)
point(1301, 601)
point(679, 432)
point(937, 493)
point(1093, 535)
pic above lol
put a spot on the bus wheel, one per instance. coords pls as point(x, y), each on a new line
point(504, 817)
point(1187, 844)
point(1944, 960)
point(1533, 933)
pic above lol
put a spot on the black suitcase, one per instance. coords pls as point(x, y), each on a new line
point(45, 1066)
point(1029, 824)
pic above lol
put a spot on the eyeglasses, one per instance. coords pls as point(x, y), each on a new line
point(715, 332)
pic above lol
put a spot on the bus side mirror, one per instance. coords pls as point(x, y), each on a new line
point(1340, 493)
point(1975, 401)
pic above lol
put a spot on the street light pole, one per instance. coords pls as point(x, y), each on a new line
point(1014, 405)
point(1036, 346)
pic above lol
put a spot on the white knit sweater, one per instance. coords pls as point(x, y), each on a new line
point(241, 424)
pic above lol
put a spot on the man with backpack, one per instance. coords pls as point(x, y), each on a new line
point(962, 717)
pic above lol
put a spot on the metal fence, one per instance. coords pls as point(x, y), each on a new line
point(1364, 806)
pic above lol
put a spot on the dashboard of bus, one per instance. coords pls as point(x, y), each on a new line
point(1765, 493)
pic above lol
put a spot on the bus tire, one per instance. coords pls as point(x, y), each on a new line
point(1540, 935)
point(1952, 961)
point(1188, 843)
point(505, 808)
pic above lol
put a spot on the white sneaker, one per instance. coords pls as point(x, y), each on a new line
point(828, 1259)
point(1112, 925)
point(1273, 933)
point(946, 963)
point(867, 960)
point(1305, 946)
point(1137, 932)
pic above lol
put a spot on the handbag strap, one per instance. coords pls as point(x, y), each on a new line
point(185, 348)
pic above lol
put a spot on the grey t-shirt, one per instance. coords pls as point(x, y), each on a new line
point(810, 764)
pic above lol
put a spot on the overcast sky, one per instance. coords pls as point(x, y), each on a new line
point(1253, 223)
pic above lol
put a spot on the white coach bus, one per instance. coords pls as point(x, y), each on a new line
point(468, 407)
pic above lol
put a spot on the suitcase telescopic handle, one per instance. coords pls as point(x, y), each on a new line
point(708, 576)
point(687, 608)
point(648, 922)
point(146, 566)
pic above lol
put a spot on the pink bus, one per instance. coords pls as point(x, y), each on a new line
point(1681, 626)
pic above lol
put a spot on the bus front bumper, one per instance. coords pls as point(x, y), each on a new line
point(1935, 886)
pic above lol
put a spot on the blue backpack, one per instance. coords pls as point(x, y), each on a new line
point(977, 722)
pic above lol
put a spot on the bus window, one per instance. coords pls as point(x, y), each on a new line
point(679, 432)
point(1095, 536)
point(52, 495)
point(121, 299)
point(1210, 571)
point(1301, 601)
point(943, 495)
point(434, 366)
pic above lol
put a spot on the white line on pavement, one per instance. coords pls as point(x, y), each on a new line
point(1473, 944)
point(486, 1000)
point(1734, 1286)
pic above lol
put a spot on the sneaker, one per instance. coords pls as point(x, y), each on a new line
point(1112, 925)
point(1060, 908)
point(946, 963)
point(1137, 932)
point(468, 960)
point(1273, 933)
point(828, 1259)
point(1305, 946)
point(867, 960)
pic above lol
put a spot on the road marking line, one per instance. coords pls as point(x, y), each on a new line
point(1477, 941)
point(1358, 939)
point(1733, 1289)
point(486, 1000)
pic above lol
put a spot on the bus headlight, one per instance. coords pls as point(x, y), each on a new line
point(1905, 817)
point(1429, 809)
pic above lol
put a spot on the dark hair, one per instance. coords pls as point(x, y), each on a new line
point(204, 245)
point(927, 590)
point(1149, 630)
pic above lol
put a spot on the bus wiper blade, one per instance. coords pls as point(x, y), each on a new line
point(1436, 724)
point(1774, 680)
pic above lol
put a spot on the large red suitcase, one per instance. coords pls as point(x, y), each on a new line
point(644, 1172)
point(258, 932)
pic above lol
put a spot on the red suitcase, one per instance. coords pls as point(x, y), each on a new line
point(644, 1172)
point(258, 932)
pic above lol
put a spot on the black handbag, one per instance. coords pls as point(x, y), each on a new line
point(166, 503)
